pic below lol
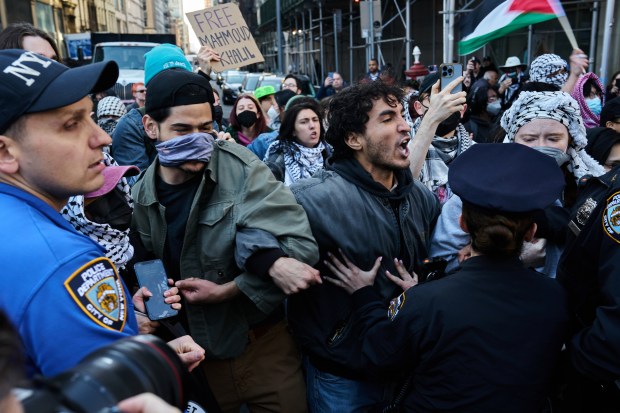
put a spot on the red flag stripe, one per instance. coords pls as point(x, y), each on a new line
point(532, 6)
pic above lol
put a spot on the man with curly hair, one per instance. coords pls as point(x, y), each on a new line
point(365, 204)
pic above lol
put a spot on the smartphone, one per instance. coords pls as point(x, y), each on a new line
point(449, 72)
point(152, 275)
point(330, 74)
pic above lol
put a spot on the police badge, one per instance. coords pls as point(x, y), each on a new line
point(611, 217)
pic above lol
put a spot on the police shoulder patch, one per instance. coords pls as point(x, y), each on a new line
point(97, 289)
point(611, 217)
point(395, 305)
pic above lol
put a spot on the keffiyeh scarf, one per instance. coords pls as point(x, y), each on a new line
point(434, 174)
point(590, 119)
point(544, 65)
point(557, 106)
point(116, 243)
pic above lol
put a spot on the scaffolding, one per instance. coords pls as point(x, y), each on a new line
point(315, 36)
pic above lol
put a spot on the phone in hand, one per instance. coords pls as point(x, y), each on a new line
point(152, 275)
point(448, 72)
point(330, 75)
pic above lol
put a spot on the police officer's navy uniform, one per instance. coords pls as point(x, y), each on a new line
point(64, 289)
point(590, 271)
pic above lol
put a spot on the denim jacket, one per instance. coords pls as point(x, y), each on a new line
point(237, 192)
point(130, 143)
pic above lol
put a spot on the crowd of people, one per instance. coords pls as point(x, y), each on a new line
point(380, 247)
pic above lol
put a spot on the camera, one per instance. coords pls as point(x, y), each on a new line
point(123, 369)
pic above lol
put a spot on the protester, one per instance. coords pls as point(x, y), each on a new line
point(366, 202)
point(301, 149)
point(50, 150)
point(331, 86)
point(26, 36)
point(247, 120)
point(484, 105)
point(267, 100)
point(604, 147)
point(233, 239)
point(474, 67)
point(612, 90)
point(373, 71)
point(109, 110)
point(292, 83)
point(138, 91)
point(460, 338)
point(449, 140)
point(261, 143)
point(549, 68)
point(131, 145)
point(588, 92)
point(610, 115)
point(491, 76)
point(511, 80)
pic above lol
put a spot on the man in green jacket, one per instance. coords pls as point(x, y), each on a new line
point(235, 241)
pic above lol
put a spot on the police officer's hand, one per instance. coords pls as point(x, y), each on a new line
point(350, 277)
point(292, 275)
point(406, 280)
point(199, 291)
point(464, 253)
point(190, 353)
point(146, 403)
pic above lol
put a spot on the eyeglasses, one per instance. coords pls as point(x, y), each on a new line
point(289, 85)
point(141, 91)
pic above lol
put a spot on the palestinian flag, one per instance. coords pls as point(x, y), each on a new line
point(496, 18)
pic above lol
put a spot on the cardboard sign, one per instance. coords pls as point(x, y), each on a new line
point(223, 29)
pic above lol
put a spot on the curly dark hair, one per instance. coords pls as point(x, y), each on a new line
point(348, 112)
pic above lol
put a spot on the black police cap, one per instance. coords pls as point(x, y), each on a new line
point(506, 177)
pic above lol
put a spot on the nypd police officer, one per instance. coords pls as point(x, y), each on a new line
point(487, 337)
point(590, 271)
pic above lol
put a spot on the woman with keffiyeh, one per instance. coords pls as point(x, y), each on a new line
point(300, 149)
point(551, 123)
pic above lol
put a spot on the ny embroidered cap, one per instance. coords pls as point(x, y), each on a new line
point(163, 57)
point(494, 176)
point(31, 83)
point(264, 91)
point(112, 174)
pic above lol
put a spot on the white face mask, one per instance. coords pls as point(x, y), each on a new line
point(273, 113)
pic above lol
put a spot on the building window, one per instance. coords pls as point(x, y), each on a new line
point(45, 17)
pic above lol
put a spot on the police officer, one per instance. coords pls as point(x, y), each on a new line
point(487, 338)
point(590, 271)
point(59, 290)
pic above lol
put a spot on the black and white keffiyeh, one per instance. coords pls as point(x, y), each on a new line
point(299, 161)
point(544, 66)
point(557, 106)
point(116, 243)
point(434, 173)
point(110, 106)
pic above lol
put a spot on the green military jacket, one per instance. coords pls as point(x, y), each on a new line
point(237, 191)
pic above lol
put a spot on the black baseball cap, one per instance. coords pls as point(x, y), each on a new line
point(177, 87)
point(31, 83)
point(428, 82)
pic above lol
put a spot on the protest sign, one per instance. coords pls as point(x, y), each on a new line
point(223, 29)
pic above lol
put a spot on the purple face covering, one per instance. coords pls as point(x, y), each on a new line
point(192, 147)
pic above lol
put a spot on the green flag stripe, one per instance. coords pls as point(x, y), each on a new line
point(475, 43)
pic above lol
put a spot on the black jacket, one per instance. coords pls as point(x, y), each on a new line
point(349, 210)
point(484, 339)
